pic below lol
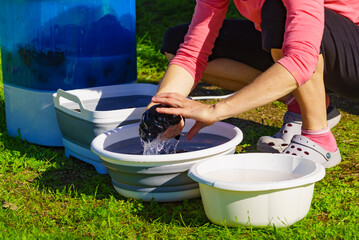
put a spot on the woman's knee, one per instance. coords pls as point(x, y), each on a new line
point(169, 56)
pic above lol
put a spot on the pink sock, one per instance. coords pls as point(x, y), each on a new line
point(323, 138)
point(293, 105)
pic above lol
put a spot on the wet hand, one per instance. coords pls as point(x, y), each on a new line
point(173, 131)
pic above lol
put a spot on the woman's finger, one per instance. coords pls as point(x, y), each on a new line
point(168, 101)
point(174, 100)
point(175, 111)
point(171, 95)
point(194, 130)
point(173, 130)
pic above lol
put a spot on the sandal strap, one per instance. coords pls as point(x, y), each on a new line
point(303, 147)
point(288, 130)
point(290, 117)
point(307, 143)
point(332, 113)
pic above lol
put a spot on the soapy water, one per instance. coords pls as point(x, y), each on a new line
point(199, 142)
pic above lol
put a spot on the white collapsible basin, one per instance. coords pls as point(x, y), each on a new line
point(161, 178)
point(258, 189)
point(83, 114)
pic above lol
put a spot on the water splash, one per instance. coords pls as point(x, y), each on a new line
point(159, 146)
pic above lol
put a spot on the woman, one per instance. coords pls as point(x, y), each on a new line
point(293, 52)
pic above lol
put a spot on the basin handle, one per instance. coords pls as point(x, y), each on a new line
point(61, 93)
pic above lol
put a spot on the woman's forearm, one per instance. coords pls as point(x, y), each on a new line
point(273, 84)
point(269, 86)
point(175, 80)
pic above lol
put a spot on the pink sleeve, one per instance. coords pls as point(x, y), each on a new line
point(198, 43)
point(302, 39)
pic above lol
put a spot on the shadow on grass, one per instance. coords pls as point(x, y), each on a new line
point(2, 112)
point(348, 105)
point(186, 213)
point(79, 176)
point(252, 131)
point(56, 173)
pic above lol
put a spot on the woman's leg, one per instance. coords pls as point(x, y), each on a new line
point(310, 105)
point(312, 101)
point(316, 140)
point(227, 73)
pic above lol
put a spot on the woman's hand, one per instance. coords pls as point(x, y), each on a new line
point(173, 131)
point(180, 105)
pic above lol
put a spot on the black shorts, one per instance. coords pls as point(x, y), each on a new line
point(340, 45)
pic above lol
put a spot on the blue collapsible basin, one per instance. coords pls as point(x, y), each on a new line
point(67, 44)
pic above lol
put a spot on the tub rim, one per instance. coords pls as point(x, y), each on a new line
point(313, 176)
point(133, 159)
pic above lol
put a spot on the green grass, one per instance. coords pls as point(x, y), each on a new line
point(44, 195)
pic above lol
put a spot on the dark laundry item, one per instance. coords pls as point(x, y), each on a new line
point(154, 123)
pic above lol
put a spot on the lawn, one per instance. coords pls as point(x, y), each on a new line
point(44, 195)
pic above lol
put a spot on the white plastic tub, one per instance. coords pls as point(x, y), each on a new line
point(30, 114)
point(258, 189)
point(82, 114)
point(160, 178)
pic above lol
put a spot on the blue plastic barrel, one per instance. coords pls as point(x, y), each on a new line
point(67, 44)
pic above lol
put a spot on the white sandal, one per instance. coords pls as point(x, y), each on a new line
point(304, 147)
point(292, 125)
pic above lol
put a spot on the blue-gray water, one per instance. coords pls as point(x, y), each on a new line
point(120, 102)
point(199, 142)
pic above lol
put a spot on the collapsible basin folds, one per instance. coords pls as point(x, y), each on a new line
point(83, 114)
point(258, 189)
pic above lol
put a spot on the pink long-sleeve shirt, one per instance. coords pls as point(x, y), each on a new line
point(302, 39)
